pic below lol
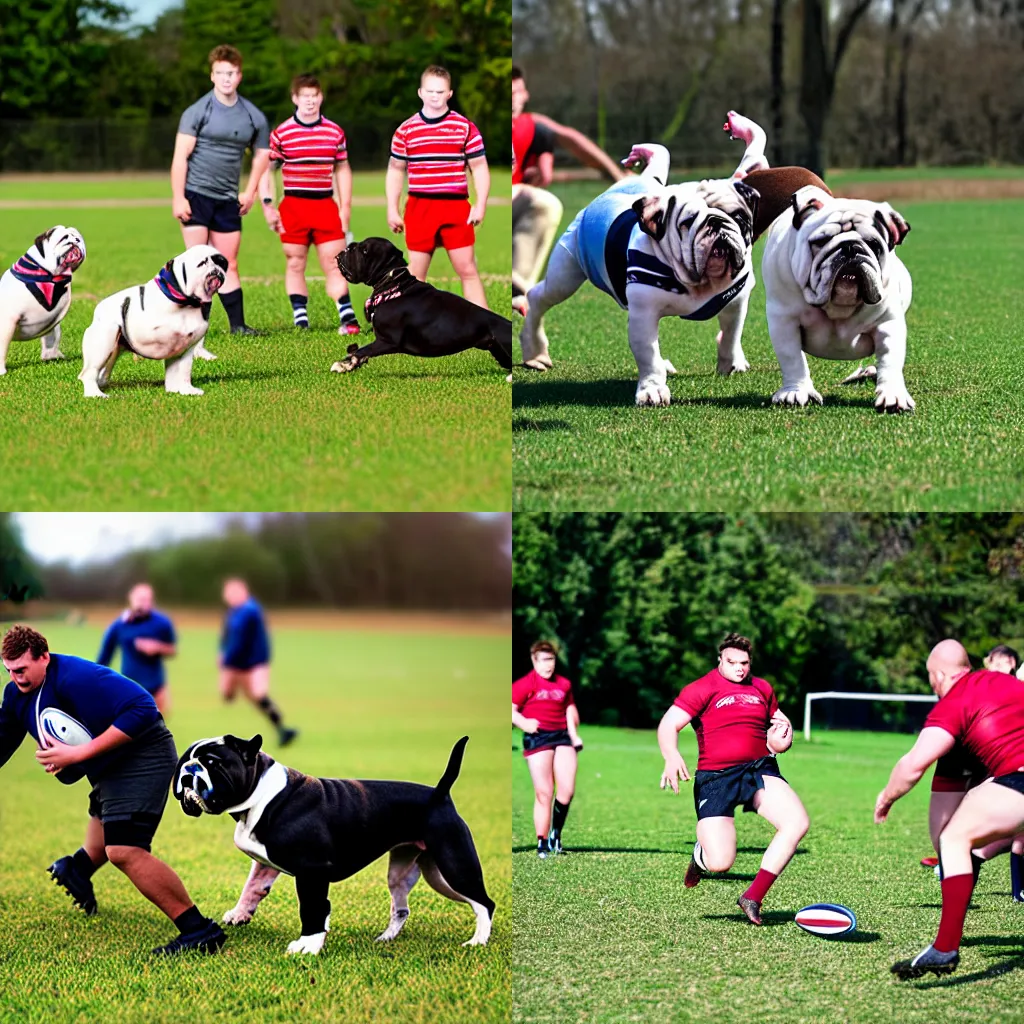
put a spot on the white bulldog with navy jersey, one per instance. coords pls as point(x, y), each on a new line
point(35, 293)
point(165, 318)
point(658, 251)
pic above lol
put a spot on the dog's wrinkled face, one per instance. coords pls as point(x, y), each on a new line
point(215, 774)
point(705, 229)
point(200, 271)
point(60, 250)
point(841, 255)
point(366, 262)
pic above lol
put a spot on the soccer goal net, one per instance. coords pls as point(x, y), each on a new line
point(847, 716)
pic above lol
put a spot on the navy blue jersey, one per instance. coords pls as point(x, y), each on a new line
point(95, 696)
point(146, 669)
point(244, 642)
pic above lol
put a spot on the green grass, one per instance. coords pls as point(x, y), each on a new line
point(579, 442)
point(374, 704)
point(610, 934)
point(275, 429)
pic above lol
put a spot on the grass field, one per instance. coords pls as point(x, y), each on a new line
point(608, 933)
point(372, 702)
point(579, 442)
point(275, 428)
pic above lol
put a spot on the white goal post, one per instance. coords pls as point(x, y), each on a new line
point(842, 695)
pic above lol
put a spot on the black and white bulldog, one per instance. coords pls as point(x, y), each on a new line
point(323, 830)
point(166, 318)
point(837, 290)
point(35, 294)
point(659, 250)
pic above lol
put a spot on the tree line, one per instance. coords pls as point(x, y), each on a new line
point(638, 602)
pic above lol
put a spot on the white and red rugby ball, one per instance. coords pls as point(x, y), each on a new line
point(56, 725)
point(827, 919)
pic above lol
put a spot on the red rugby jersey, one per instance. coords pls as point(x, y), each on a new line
point(731, 720)
point(985, 712)
point(308, 153)
point(437, 150)
point(547, 700)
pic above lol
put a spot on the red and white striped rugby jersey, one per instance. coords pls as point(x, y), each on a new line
point(308, 153)
point(437, 150)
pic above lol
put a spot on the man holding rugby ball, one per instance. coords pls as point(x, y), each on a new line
point(544, 708)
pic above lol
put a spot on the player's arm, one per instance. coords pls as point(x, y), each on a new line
point(587, 152)
point(482, 183)
point(673, 721)
point(260, 163)
point(12, 732)
point(520, 722)
point(60, 755)
point(148, 645)
point(394, 179)
point(108, 644)
point(572, 724)
point(343, 190)
point(780, 733)
point(931, 744)
point(543, 172)
point(183, 146)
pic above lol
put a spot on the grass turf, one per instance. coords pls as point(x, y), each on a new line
point(370, 704)
point(579, 442)
point(608, 933)
point(275, 428)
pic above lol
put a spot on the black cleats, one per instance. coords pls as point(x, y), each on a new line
point(249, 332)
point(751, 908)
point(285, 736)
point(929, 961)
point(207, 939)
point(694, 873)
point(68, 877)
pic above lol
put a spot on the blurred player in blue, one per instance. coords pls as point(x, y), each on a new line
point(245, 655)
point(145, 637)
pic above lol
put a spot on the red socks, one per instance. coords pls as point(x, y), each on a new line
point(956, 897)
point(760, 885)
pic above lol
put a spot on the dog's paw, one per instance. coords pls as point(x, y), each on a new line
point(797, 394)
point(540, 363)
point(727, 367)
point(308, 943)
point(893, 398)
point(186, 389)
point(50, 354)
point(3, 371)
point(862, 373)
point(237, 915)
point(508, 379)
point(669, 368)
point(475, 942)
point(346, 365)
point(95, 393)
point(653, 394)
point(201, 352)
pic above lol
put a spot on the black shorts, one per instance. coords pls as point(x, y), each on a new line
point(130, 798)
point(958, 771)
point(545, 740)
point(717, 794)
point(216, 214)
point(1013, 780)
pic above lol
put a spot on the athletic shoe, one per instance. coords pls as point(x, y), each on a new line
point(929, 862)
point(249, 332)
point(304, 326)
point(694, 873)
point(751, 908)
point(929, 959)
point(70, 879)
point(207, 939)
point(285, 736)
point(555, 843)
point(350, 327)
point(542, 849)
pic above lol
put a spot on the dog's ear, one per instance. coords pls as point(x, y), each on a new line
point(252, 749)
point(805, 201)
point(220, 260)
point(654, 212)
point(44, 237)
point(891, 225)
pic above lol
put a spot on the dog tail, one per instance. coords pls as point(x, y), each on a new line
point(443, 789)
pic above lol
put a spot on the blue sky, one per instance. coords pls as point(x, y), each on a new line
point(145, 12)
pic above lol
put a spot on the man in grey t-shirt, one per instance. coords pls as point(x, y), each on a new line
point(213, 135)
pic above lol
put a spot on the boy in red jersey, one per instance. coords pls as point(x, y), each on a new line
point(313, 157)
point(739, 731)
point(544, 708)
point(435, 145)
point(984, 712)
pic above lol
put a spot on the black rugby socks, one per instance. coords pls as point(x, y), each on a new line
point(270, 709)
point(561, 812)
point(190, 921)
point(299, 314)
point(83, 863)
point(232, 302)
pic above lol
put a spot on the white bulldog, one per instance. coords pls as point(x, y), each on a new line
point(35, 293)
point(680, 250)
point(837, 290)
point(166, 318)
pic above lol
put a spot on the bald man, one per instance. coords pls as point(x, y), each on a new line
point(984, 711)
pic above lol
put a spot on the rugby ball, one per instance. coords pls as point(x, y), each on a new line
point(827, 919)
point(56, 725)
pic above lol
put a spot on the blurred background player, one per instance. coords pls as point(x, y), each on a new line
point(129, 760)
point(213, 135)
point(312, 154)
point(739, 731)
point(245, 655)
point(544, 708)
point(434, 147)
point(145, 637)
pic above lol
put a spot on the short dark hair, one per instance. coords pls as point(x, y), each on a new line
point(517, 72)
point(543, 647)
point(1008, 651)
point(19, 639)
point(225, 53)
point(306, 82)
point(740, 643)
point(438, 72)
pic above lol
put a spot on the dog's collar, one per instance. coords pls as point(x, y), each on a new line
point(387, 277)
point(718, 302)
point(385, 290)
point(168, 284)
point(272, 782)
point(46, 288)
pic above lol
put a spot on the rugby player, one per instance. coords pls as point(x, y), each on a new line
point(739, 731)
point(312, 155)
point(213, 135)
point(145, 637)
point(244, 659)
point(129, 761)
point(544, 708)
point(984, 712)
point(435, 146)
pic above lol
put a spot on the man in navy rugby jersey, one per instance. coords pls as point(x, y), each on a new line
point(129, 760)
point(245, 655)
point(145, 637)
